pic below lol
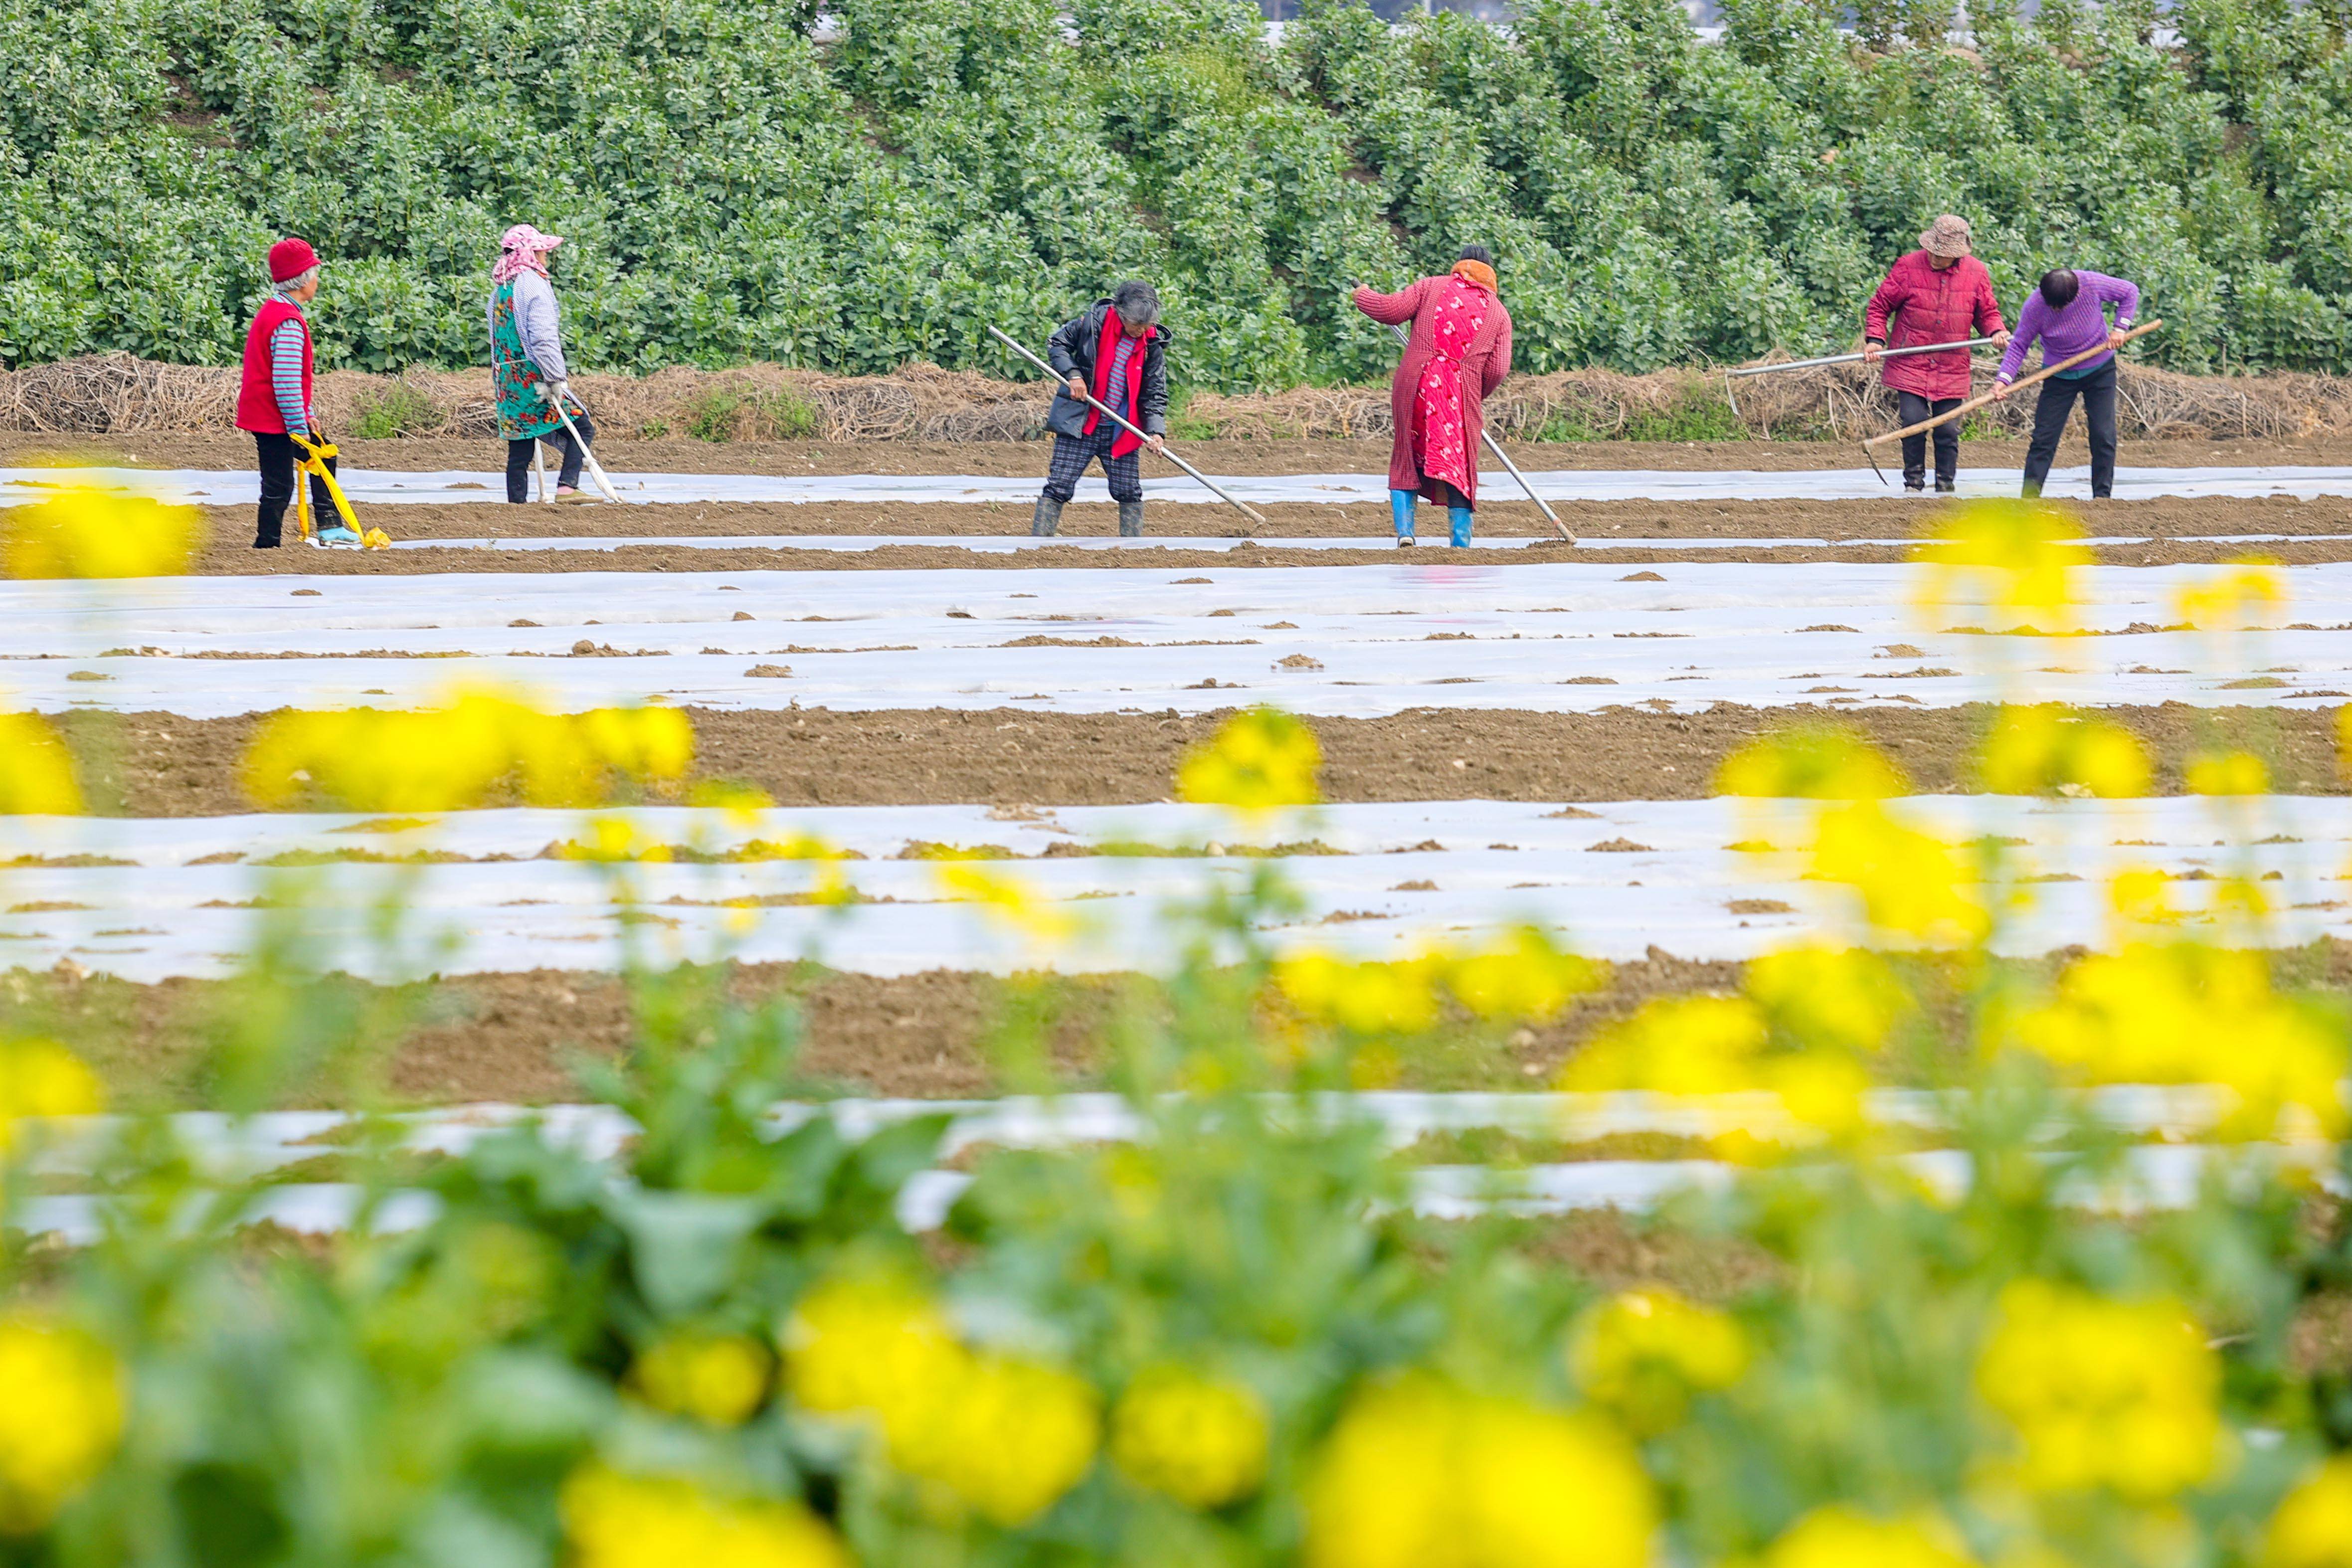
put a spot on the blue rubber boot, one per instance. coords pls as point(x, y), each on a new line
point(1400, 508)
point(1461, 517)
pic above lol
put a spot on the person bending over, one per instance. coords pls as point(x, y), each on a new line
point(1459, 352)
point(273, 400)
point(2069, 314)
point(527, 374)
point(1118, 351)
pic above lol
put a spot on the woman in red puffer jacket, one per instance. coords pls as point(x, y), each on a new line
point(1938, 294)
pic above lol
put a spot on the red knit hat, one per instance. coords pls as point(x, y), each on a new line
point(290, 258)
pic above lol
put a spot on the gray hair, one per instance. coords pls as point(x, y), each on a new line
point(307, 274)
point(1137, 302)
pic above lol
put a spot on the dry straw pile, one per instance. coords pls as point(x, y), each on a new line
point(116, 394)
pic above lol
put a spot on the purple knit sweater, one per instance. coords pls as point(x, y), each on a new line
point(2082, 324)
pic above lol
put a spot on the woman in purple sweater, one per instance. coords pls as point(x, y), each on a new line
point(2068, 314)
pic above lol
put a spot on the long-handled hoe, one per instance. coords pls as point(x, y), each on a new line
point(2044, 373)
point(1504, 458)
point(1105, 410)
point(595, 469)
point(1745, 371)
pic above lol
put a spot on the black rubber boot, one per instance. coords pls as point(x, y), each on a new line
point(1946, 488)
point(1047, 521)
point(1130, 519)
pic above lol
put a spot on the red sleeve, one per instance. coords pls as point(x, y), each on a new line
point(1883, 304)
point(1988, 320)
point(1498, 363)
point(1397, 308)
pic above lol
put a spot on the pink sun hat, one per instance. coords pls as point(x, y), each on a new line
point(519, 247)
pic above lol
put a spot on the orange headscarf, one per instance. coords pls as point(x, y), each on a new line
point(1477, 272)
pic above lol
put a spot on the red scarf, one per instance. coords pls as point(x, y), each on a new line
point(1113, 329)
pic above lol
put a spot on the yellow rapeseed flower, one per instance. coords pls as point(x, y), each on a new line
point(1006, 1436)
point(1419, 1474)
point(2234, 597)
point(1844, 997)
point(41, 1078)
point(90, 533)
point(61, 1411)
point(2313, 1526)
point(2227, 773)
point(1368, 997)
point(1261, 760)
point(2189, 1013)
point(1006, 898)
point(1674, 1045)
point(1837, 1536)
point(2046, 749)
point(1642, 1353)
point(1200, 1440)
point(37, 771)
point(1521, 977)
point(717, 1379)
point(617, 1520)
point(2119, 1395)
point(1910, 883)
point(1811, 764)
point(448, 759)
point(2019, 557)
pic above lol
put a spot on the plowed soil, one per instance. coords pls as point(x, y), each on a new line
point(232, 449)
point(153, 764)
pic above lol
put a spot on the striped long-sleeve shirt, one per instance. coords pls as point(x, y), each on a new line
point(286, 373)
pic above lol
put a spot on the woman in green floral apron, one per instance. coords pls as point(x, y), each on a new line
point(527, 374)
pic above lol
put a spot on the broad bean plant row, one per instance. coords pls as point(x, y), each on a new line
point(851, 192)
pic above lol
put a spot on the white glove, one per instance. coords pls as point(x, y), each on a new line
point(557, 393)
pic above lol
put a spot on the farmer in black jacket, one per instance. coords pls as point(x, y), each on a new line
point(1117, 350)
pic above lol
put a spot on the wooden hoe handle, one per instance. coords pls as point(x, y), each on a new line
point(2018, 385)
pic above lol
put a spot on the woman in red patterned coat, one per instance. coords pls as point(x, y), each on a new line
point(1459, 353)
point(1938, 294)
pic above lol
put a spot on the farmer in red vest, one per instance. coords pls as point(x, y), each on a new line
point(274, 401)
point(1938, 294)
point(1117, 352)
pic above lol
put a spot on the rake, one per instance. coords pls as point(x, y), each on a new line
point(1745, 371)
point(2044, 373)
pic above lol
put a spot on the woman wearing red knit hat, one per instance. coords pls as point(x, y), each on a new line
point(273, 400)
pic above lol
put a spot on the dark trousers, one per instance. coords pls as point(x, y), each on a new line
point(1914, 408)
point(1072, 453)
point(277, 458)
point(2097, 392)
point(519, 458)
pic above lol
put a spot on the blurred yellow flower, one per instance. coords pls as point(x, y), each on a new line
point(2227, 773)
point(2120, 1394)
point(1837, 1536)
point(2232, 599)
point(2045, 750)
point(1006, 898)
point(1261, 760)
point(2014, 556)
point(1910, 883)
point(84, 532)
point(717, 1379)
point(615, 841)
point(37, 771)
point(2189, 1013)
point(1642, 1353)
point(448, 759)
point(1846, 997)
point(1521, 977)
point(61, 1411)
point(1419, 1474)
point(1811, 764)
point(1006, 1436)
point(616, 1521)
point(2313, 1526)
point(41, 1078)
point(1674, 1045)
point(1372, 996)
point(1200, 1440)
